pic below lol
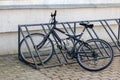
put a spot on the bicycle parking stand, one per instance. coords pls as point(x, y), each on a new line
point(106, 25)
point(109, 31)
point(21, 34)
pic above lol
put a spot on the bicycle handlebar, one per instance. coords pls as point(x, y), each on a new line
point(53, 15)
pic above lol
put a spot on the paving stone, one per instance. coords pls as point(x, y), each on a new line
point(13, 69)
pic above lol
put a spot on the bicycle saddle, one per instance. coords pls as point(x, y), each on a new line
point(86, 25)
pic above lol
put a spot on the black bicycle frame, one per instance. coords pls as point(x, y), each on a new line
point(58, 39)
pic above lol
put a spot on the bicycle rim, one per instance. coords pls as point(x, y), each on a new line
point(102, 57)
point(44, 53)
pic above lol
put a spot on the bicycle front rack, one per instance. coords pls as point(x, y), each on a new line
point(110, 28)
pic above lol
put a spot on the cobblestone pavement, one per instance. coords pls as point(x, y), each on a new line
point(12, 69)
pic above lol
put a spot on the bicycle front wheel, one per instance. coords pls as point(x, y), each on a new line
point(95, 55)
point(28, 52)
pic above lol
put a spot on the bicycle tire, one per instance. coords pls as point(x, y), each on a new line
point(45, 53)
point(69, 48)
point(88, 61)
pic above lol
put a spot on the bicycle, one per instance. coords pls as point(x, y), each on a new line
point(92, 55)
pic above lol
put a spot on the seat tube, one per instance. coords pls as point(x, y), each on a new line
point(82, 33)
point(56, 36)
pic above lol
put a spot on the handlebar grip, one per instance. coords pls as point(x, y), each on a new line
point(55, 13)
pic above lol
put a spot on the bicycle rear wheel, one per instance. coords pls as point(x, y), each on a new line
point(95, 55)
point(27, 49)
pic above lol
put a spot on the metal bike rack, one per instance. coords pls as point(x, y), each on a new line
point(111, 35)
